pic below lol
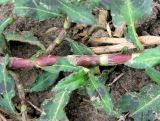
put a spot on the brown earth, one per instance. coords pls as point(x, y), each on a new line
point(79, 107)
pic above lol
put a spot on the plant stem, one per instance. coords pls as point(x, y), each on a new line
point(21, 96)
point(57, 41)
point(60, 37)
point(77, 60)
point(5, 24)
point(35, 107)
point(131, 27)
point(2, 118)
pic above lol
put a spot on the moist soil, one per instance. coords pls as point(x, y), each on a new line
point(79, 107)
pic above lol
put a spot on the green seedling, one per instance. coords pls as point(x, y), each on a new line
point(78, 64)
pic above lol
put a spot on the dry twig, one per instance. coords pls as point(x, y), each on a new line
point(21, 96)
point(2, 118)
point(35, 107)
point(120, 43)
point(116, 79)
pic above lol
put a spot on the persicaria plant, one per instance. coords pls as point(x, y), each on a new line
point(83, 65)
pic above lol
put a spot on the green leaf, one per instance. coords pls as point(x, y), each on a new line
point(62, 64)
point(26, 37)
point(4, 1)
point(106, 4)
point(79, 48)
point(3, 45)
point(43, 81)
point(95, 2)
point(71, 82)
point(154, 75)
point(149, 58)
point(37, 9)
point(53, 71)
point(77, 13)
point(5, 23)
point(45, 9)
point(99, 95)
point(129, 12)
point(7, 88)
point(143, 106)
point(53, 109)
point(105, 75)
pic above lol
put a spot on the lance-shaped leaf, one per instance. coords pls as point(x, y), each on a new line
point(43, 81)
point(105, 75)
point(77, 13)
point(106, 4)
point(95, 2)
point(99, 95)
point(26, 37)
point(62, 64)
point(37, 9)
point(47, 79)
point(7, 88)
point(129, 12)
point(143, 106)
point(79, 48)
point(5, 1)
point(149, 58)
point(44, 9)
point(5, 23)
point(153, 74)
point(53, 109)
point(3, 45)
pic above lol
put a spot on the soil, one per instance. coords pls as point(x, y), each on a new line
point(79, 107)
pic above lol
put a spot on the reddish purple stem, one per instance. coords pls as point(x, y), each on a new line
point(79, 60)
point(118, 59)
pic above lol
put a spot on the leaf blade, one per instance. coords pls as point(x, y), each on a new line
point(149, 58)
point(77, 13)
point(62, 64)
point(26, 37)
point(143, 105)
point(99, 95)
point(7, 88)
point(62, 93)
point(3, 45)
point(37, 9)
point(3, 2)
point(43, 81)
point(153, 74)
point(79, 48)
point(129, 12)
point(5, 23)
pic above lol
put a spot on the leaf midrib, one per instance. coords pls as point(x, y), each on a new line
point(130, 14)
point(149, 59)
point(37, 85)
point(59, 105)
point(77, 48)
point(149, 103)
point(22, 7)
point(5, 22)
point(4, 80)
point(69, 8)
point(99, 94)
